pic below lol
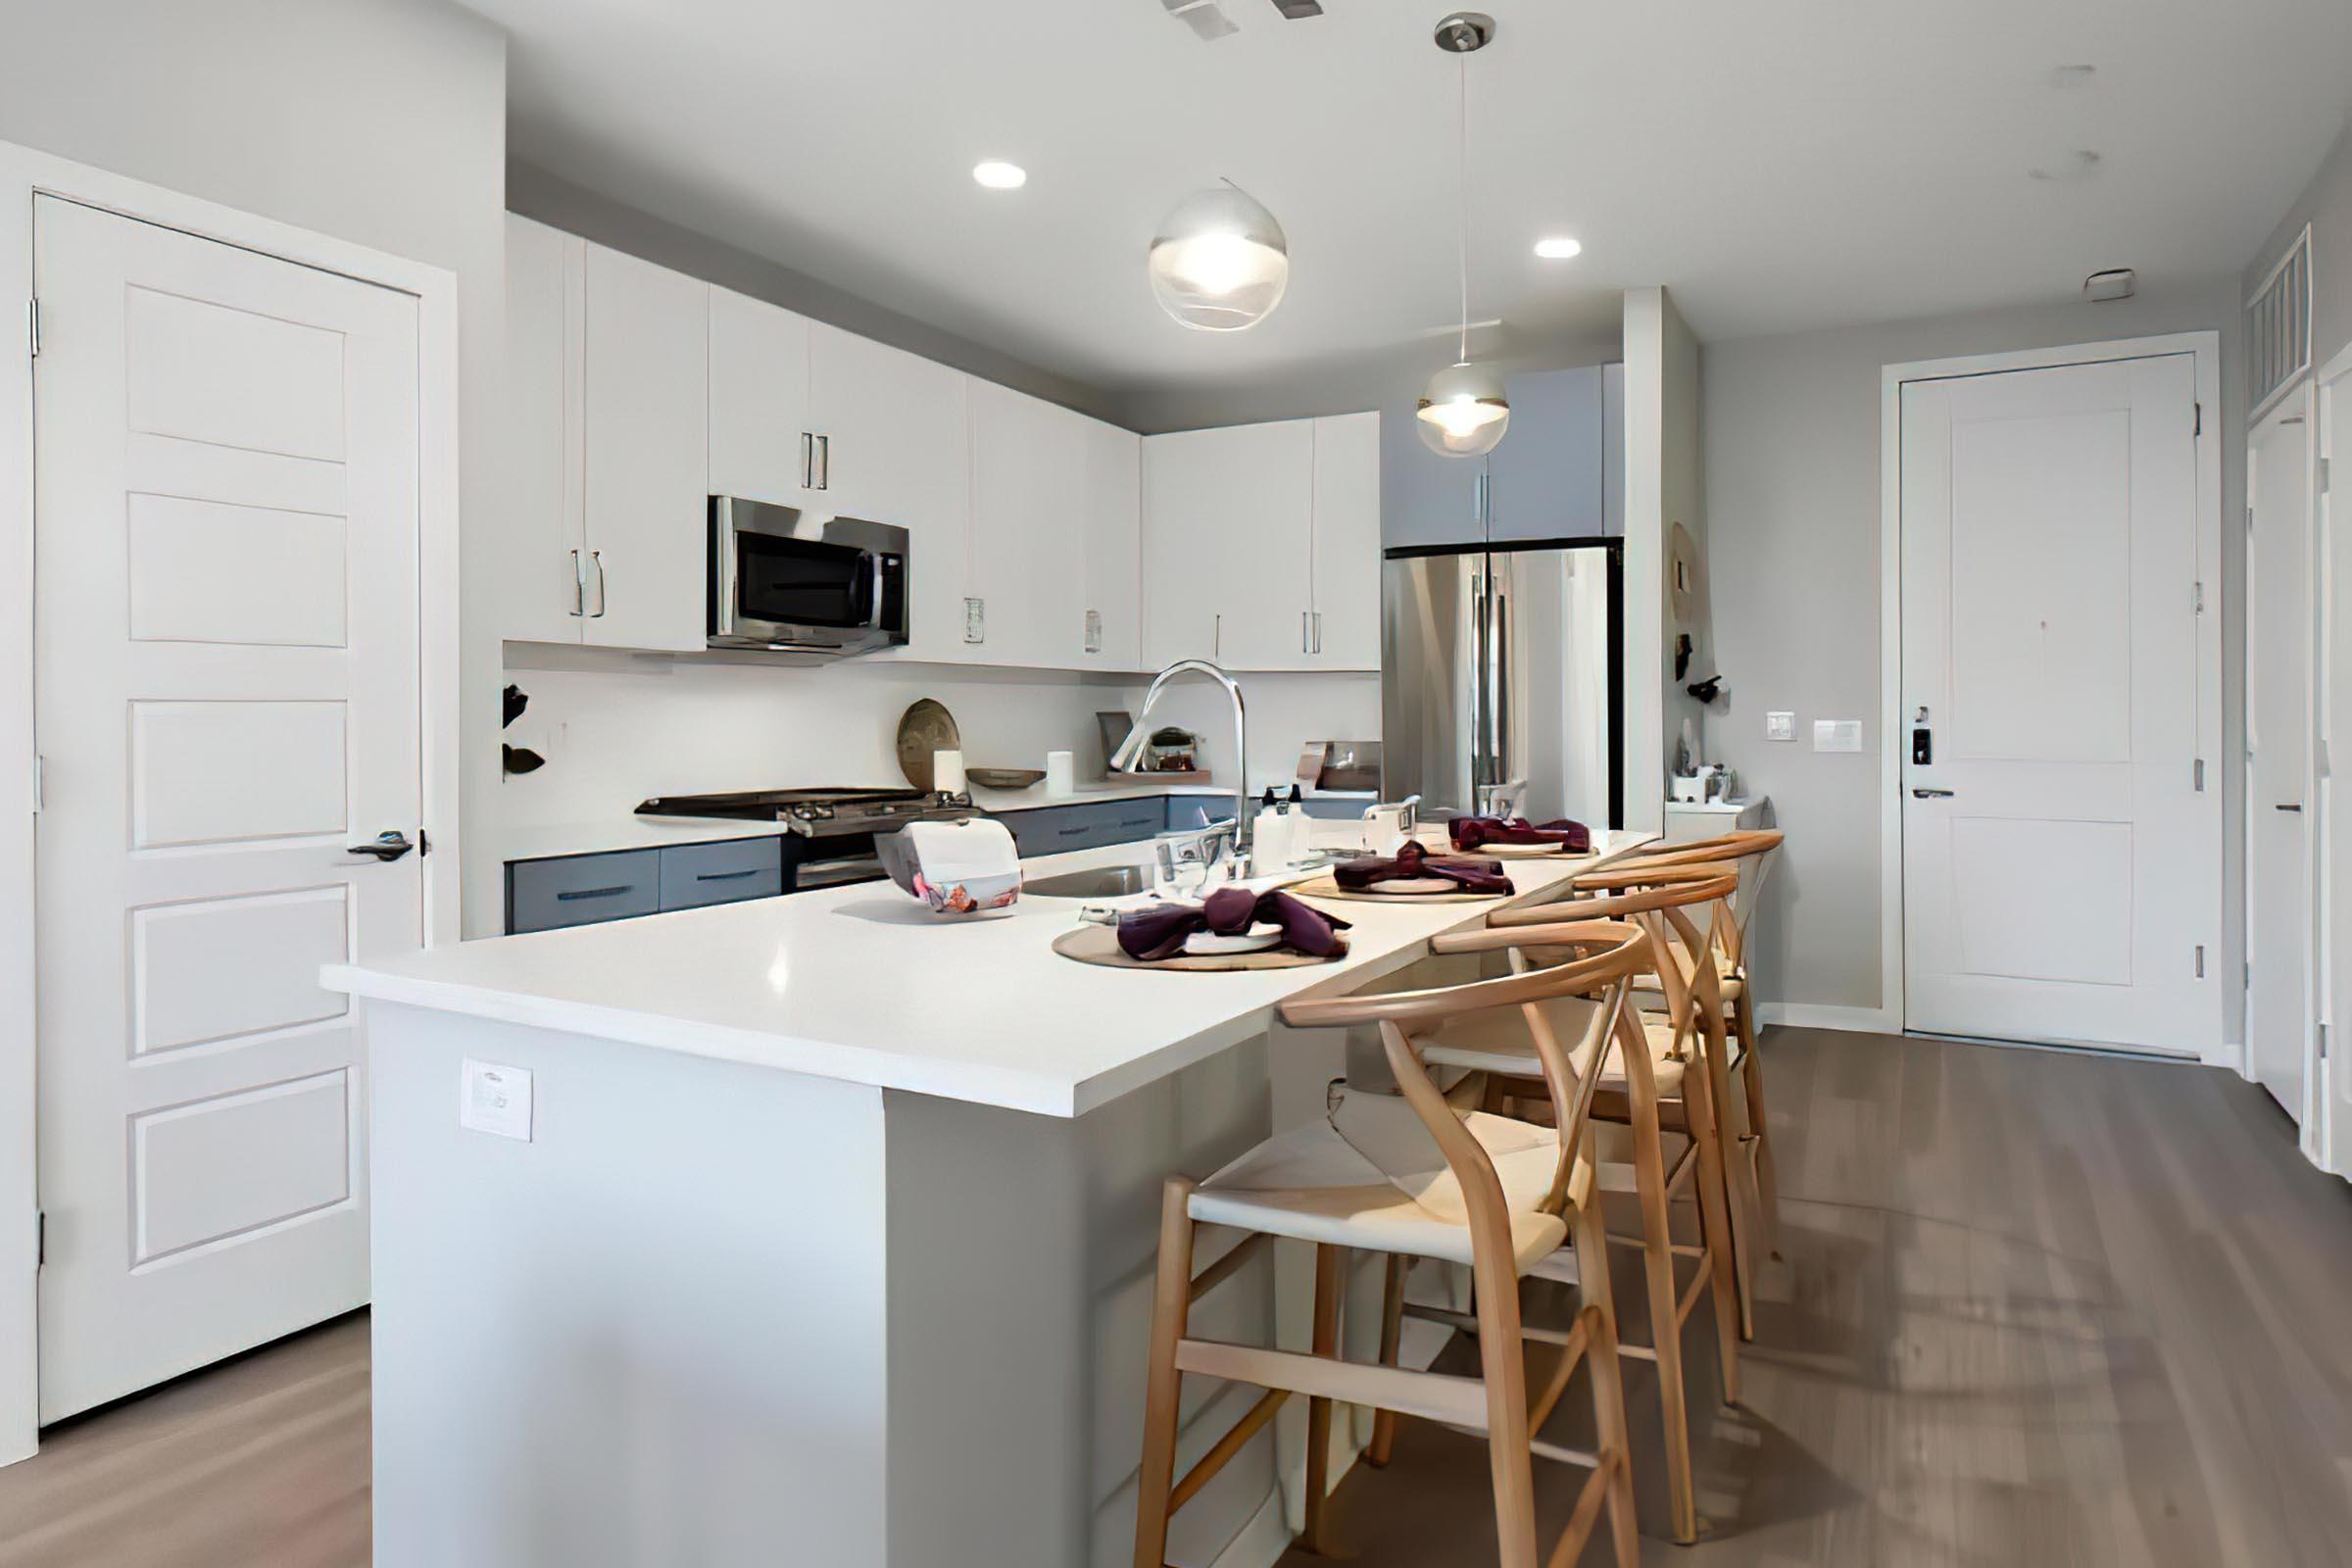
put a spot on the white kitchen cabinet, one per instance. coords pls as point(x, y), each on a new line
point(894, 448)
point(538, 537)
point(1249, 530)
point(1345, 633)
point(1055, 523)
point(760, 434)
point(644, 450)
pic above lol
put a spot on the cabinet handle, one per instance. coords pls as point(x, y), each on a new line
point(598, 556)
point(580, 585)
point(1216, 639)
point(807, 460)
point(573, 895)
point(1306, 631)
point(725, 876)
point(1318, 631)
point(824, 463)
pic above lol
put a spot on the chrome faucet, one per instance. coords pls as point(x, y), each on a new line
point(1123, 760)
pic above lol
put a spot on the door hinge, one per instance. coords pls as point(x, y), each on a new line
point(2200, 429)
point(2326, 474)
point(2200, 960)
point(2322, 1041)
point(39, 770)
point(2197, 597)
point(40, 1237)
point(33, 324)
point(2197, 775)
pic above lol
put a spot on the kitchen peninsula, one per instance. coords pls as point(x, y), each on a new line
point(809, 1208)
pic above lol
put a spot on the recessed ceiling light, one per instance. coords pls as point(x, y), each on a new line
point(997, 174)
point(1558, 248)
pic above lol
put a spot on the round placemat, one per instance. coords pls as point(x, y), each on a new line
point(1526, 852)
point(1444, 892)
point(1099, 944)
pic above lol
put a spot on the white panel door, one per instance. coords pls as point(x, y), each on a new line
point(537, 532)
point(2281, 906)
point(1346, 543)
point(2061, 868)
point(645, 459)
point(227, 647)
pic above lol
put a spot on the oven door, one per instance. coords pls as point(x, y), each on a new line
point(802, 582)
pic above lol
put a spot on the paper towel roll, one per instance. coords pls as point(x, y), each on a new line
point(1061, 772)
point(947, 771)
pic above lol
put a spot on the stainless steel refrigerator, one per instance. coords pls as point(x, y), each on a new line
point(1500, 668)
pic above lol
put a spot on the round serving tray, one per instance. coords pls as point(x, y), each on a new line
point(1099, 945)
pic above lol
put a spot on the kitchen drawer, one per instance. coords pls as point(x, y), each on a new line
point(696, 874)
point(582, 889)
point(1056, 828)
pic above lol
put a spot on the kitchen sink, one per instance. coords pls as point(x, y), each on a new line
point(1104, 882)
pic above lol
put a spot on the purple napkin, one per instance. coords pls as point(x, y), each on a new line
point(1413, 861)
point(1469, 832)
point(1149, 935)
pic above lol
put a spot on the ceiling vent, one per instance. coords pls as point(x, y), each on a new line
point(2278, 328)
point(1209, 22)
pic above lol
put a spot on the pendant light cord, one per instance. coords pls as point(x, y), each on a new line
point(1462, 187)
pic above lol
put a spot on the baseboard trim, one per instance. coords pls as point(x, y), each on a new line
point(1263, 1540)
point(1811, 1015)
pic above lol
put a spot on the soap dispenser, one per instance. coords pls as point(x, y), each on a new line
point(1269, 835)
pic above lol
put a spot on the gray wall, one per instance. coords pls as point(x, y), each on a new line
point(2327, 206)
point(382, 123)
point(1792, 492)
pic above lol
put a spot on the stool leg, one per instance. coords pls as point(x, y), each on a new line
point(1608, 1419)
point(1503, 1358)
point(1391, 1333)
point(1739, 1193)
point(1759, 1125)
point(1665, 1327)
point(1716, 1226)
point(1318, 1410)
point(1171, 1304)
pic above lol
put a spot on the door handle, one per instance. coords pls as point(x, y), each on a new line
point(824, 463)
point(807, 460)
point(1931, 795)
point(2288, 805)
point(384, 846)
point(579, 586)
point(598, 556)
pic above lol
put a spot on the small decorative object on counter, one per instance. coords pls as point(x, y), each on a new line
point(1061, 773)
point(1414, 865)
point(1562, 836)
point(964, 867)
point(1003, 778)
point(1163, 932)
point(1170, 751)
point(947, 770)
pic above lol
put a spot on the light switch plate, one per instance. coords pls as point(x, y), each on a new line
point(975, 621)
point(1836, 734)
point(1779, 726)
point(496, 1099)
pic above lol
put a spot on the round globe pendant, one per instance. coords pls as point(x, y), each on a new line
point(1463, 412)
point(1220, 263)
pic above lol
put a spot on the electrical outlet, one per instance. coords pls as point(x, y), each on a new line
point(496, 1099)
point(1779, 726)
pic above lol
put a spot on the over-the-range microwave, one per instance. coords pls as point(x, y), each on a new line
point(804, 582)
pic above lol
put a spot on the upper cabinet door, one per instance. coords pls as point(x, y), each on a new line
point(1345, 633)
point(1110, 524)
point(893, 447)
point(1545, 480)
point(760, 430)
point(536, 530)
point(1054, 533)
point(646, 453)
point(1227, 520)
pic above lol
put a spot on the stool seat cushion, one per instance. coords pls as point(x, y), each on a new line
point(1369, 1175)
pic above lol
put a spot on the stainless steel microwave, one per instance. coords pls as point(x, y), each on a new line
point(804, 582)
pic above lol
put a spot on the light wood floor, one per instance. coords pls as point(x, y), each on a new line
point(2038, 1310)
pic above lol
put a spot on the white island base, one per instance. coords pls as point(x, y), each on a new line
point(722, 1311)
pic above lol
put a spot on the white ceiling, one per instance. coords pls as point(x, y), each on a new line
point(1781, 166)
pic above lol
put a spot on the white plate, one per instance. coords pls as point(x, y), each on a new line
point(1258, 939)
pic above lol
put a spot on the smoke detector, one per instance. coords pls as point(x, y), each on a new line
point(2115, 283)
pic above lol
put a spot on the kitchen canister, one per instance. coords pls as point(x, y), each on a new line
point(947, 771)
point(1061, 772)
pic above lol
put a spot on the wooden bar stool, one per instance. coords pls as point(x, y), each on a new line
point(1648, 1084)
point(1755, 1183)
point(1413, 1174)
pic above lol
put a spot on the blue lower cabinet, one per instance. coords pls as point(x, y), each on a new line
point(582, 889)
point(1052, 829)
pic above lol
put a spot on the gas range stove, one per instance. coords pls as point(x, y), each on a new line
point(819, 814)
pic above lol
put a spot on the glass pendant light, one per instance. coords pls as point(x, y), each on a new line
point(1220, 263)
point(1463, 412)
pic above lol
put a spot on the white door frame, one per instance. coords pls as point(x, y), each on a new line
point(25, 172)
point(2298, 400)
point(2331, 387)
point(2206, 348)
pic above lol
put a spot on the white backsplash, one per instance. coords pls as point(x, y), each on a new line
point(616, 727)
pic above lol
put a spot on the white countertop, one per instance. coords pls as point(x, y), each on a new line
point(604, 836)
point(862, 983)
